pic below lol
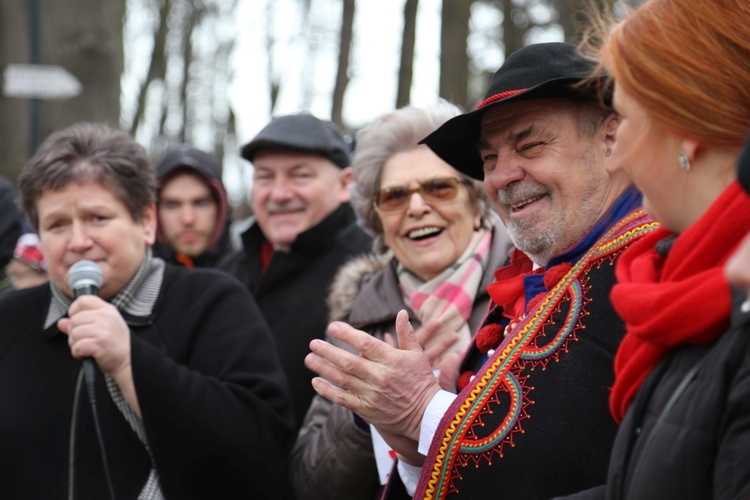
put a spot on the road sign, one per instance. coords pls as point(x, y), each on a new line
point(38, 81)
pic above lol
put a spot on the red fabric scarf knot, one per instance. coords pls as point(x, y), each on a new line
point(507, 291)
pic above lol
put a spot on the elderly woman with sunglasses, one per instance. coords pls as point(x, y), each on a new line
point(438, 245)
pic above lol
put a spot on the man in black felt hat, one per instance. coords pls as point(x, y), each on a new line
point(303, 230)
point(530, 418)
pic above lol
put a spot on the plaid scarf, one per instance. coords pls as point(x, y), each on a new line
point(449, 296)
point(136, 298)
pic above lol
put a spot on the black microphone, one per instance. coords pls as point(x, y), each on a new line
point(85, 278)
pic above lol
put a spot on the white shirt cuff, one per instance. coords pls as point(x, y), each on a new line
point(409, 475)
point(439, 404)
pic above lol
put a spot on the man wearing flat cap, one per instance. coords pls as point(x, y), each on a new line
point(304, 229)
point(525, 414)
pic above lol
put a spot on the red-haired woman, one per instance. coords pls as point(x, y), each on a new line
point(682, 392)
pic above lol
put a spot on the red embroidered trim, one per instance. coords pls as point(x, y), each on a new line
point(497, 97)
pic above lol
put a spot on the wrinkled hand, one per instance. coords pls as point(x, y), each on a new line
point(96, 329)
point(388, 387)
point(425, 334)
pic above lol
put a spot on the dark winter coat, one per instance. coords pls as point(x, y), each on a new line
point(686, 435)
point(291, 292)
point(213, 398)
point(11, 228)
point(333, 456)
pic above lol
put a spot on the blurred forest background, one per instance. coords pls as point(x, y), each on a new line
point(163, 69)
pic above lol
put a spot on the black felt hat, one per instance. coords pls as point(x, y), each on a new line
point(540, 71)
point(304, 133)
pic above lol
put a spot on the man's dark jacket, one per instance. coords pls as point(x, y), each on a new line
point(292, 291)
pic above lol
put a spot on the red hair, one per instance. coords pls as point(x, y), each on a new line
point(687, 63)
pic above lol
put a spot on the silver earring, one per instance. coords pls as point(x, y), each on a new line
point(684, 161)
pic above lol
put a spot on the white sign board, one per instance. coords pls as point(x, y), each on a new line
point(37, 81)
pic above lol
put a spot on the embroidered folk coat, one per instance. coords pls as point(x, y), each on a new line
point(534, 421)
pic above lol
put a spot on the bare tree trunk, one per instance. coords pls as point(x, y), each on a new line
point(342, 74)
point(406, 69)
point(513, 33)
point(223, 118)
point(157, 65)
point(311, 54)
point(567, 11)
point(84, 37)
point(454, 59)
point(191, 16)
point(274, 82)
point(15, 114)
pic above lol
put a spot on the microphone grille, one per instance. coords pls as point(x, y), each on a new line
point(84, 272)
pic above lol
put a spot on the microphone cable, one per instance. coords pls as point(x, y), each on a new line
point(89, 373)
point(85, 278)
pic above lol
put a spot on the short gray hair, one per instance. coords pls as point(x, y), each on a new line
point(89, 152)
point(397, 132)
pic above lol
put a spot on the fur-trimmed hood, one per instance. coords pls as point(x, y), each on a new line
point(349, 281)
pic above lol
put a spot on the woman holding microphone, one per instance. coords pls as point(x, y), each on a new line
point(188, 401)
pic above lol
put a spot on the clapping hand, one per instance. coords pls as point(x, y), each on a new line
point(387, 386)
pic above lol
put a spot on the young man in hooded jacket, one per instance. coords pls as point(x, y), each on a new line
point(193, 211)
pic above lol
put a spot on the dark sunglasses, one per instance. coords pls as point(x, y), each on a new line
point(396, 198)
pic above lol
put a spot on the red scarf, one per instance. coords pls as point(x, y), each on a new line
point(184, 260)
point(507, 289)
point(266, 252)
point(681, 299)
